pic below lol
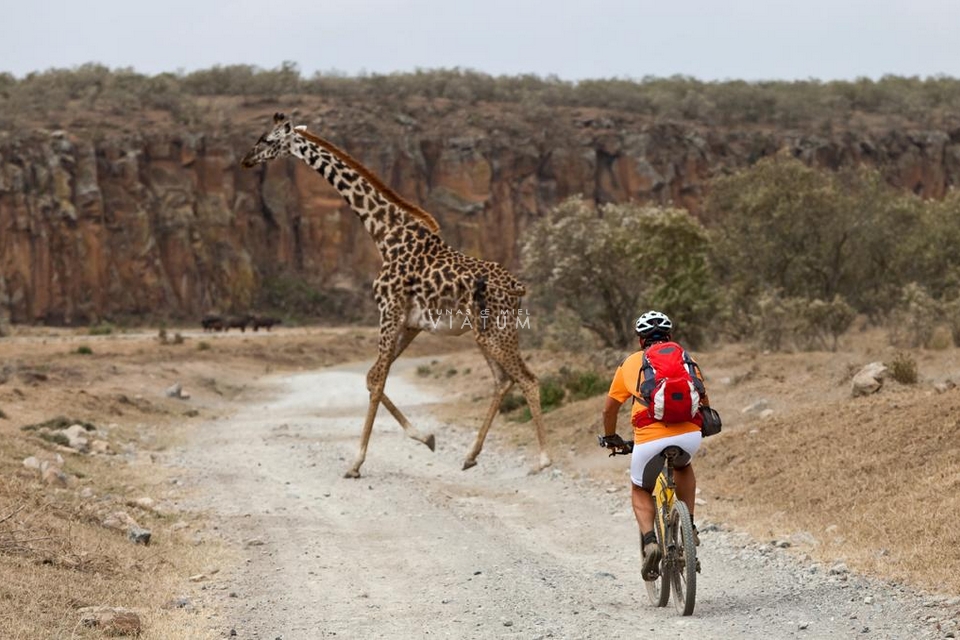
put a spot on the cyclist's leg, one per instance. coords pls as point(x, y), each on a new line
point(643, 507)
point(684, 477)
point(645, 464)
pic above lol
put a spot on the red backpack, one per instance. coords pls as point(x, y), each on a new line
point(669, 385)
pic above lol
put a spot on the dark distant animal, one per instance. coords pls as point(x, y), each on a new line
point(238, 322)
point(212, 322)
point(264, 321)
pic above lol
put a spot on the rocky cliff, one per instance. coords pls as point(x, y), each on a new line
point(99, 223)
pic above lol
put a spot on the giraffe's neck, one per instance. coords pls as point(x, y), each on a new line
point(384, 214)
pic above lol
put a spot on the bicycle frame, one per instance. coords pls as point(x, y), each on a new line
point(664, 493)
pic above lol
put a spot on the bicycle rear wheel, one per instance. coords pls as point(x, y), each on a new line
point(658, 590)
point(682, 563)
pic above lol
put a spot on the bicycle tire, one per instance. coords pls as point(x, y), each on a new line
point(658, 591)
point(682, 564)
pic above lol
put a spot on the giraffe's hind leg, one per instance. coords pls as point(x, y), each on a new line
point(502, 384)
point(508, 368)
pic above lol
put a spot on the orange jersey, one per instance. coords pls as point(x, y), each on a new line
point(626, 384)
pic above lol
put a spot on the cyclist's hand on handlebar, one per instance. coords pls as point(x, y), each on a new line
point(611, 442)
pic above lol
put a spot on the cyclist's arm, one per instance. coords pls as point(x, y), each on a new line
point(616, 396)
point(610, 411)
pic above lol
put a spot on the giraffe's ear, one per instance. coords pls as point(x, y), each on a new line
point(278, 117)
point(300, 127)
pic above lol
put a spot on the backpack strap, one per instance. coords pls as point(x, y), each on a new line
point(694, 369)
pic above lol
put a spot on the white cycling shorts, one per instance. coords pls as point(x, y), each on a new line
point(647, 460)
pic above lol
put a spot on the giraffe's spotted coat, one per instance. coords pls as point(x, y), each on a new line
point(420, 276)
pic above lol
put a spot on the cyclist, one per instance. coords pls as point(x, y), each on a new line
point(651, 437)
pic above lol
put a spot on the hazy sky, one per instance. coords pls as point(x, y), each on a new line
point(573, 39)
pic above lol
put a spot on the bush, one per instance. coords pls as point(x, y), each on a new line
point(84, 350)
point(606, 265)
point(903, 369)
point(584, 384)
point(100, 330)
point(912, 323)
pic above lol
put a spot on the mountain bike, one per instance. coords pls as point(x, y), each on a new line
point(673, 525)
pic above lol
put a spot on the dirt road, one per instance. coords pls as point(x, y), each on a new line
point(417, 548)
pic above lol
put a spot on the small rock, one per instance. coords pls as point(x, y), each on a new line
point(32, 463)
point(174, 391)
point(868, 600)
point(119, 520)
point(200, 577)
point(756, 407)
point(946, 385)
point(869, 379)
point(839, 569)
point(113, 621)
point(144, 503)
point(139, 535)
point(101, 447)
point(255, 542)
point(54, 477)
point(803, 625)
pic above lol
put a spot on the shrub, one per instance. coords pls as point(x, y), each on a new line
point(903, 369)
point(584, 384)
point(912, 323)
point(84, 350)
point(100, 330)
point(203, 345)
point(605, 265)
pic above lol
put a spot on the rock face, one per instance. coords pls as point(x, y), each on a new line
point(164, 221)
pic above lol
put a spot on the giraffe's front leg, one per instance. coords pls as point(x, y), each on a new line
point(376, 381)
point(375, 396)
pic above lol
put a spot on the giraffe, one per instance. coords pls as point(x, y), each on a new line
point(421, 277)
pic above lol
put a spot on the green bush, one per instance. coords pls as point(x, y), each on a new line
point(606, 265)
point(912, 323)
point(100, 330)
point(903, 369)
point(584, 384)
point(84, 350)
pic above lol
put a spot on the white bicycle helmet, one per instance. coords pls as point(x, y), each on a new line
point(653, 322)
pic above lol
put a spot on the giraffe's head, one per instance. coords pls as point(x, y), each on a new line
point(273, 143)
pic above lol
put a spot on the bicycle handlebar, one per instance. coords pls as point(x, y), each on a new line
point(622, 448)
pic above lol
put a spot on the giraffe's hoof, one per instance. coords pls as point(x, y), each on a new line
point(431, 442)
point(352, 473)
point(469, 463)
